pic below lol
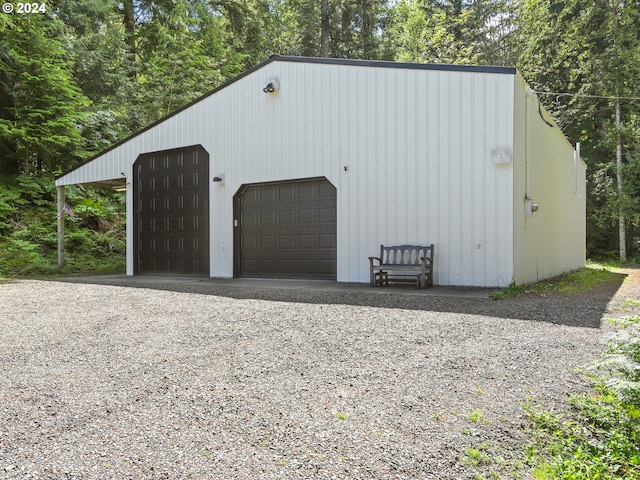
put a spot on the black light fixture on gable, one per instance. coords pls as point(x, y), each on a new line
point(272, 87)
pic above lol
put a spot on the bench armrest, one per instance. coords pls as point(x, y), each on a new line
point(427, 271)
point(371, 260)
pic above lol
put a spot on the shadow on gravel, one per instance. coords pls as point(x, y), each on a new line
point(584, 309)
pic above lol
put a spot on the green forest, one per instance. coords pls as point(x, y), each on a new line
point(78, 75)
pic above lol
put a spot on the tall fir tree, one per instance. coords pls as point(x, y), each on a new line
point(39, 123)
point(337, 28)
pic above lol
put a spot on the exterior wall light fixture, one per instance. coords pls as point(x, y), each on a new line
point(272, 87)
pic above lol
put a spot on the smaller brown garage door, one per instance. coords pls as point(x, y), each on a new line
point(287, 230)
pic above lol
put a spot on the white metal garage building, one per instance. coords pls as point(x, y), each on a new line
point(309, 179)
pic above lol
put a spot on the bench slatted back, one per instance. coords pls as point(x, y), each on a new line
point(405, 254)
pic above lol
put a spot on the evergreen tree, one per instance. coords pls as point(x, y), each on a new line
point(337, 28)
point(458, 32)
point(184, 50)
point(41, 104)
point(591, 51)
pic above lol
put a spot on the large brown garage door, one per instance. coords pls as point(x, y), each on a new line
point(286, 230)
point(171, 205)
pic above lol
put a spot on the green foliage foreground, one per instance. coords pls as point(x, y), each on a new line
point(600, 438)
point(94, 237)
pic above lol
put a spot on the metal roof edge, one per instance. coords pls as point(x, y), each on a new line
point(316, 60)
point(543, 111)
point(402, 65)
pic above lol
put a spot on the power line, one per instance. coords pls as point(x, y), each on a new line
point(566, 94)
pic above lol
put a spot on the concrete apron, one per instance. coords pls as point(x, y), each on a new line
point(282, 284)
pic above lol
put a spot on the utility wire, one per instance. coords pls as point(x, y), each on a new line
point(565, 94)
point(542, 116)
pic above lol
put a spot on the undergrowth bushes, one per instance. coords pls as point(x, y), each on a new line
point(600, 439)
point(94, 236)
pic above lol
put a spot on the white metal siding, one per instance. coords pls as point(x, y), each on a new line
point(416, 145)
point(552, 240)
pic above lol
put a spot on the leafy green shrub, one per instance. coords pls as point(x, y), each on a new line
point(601, 437)
point(94, 237)
point(622, 364)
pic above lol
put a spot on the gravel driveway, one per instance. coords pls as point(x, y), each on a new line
point(101, 382)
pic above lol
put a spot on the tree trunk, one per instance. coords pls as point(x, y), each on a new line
point(129, 28)
point(621, 224)
point(621, 220)
point(367, 29)
point(324, 28)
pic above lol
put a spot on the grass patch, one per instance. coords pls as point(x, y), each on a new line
point(623, 322)
point(476, 457)
point(584, 279)
point(581, 280)
point(613, 263)
point(629, 305)
point(476, 416)
point(509, 291)
point(485, 463)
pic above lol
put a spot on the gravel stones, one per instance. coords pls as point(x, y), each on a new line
point(101, 382)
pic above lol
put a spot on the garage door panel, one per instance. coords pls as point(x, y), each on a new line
point(307, 191)
point(268, 264)
point(286, 242)
point(287, 266)
point(267, 242)
point(250, 264)
point(250, 198)
point(267, 195)
point(250, 219)
point(249, 243)
point(326, 267)
point(307, 267)
point(287, 230)
point(327, 215)
point(148, 225)
point(286, 193)
point(171, 207)
point(267, 219)
point(307, 241)
point(327, 240)
point(172, 160)
point(286, 217)
point(326, 190)
point(197, 180)
point(188, 202)
point(306, 217)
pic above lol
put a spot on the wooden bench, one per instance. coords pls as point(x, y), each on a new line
point(402, 263)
